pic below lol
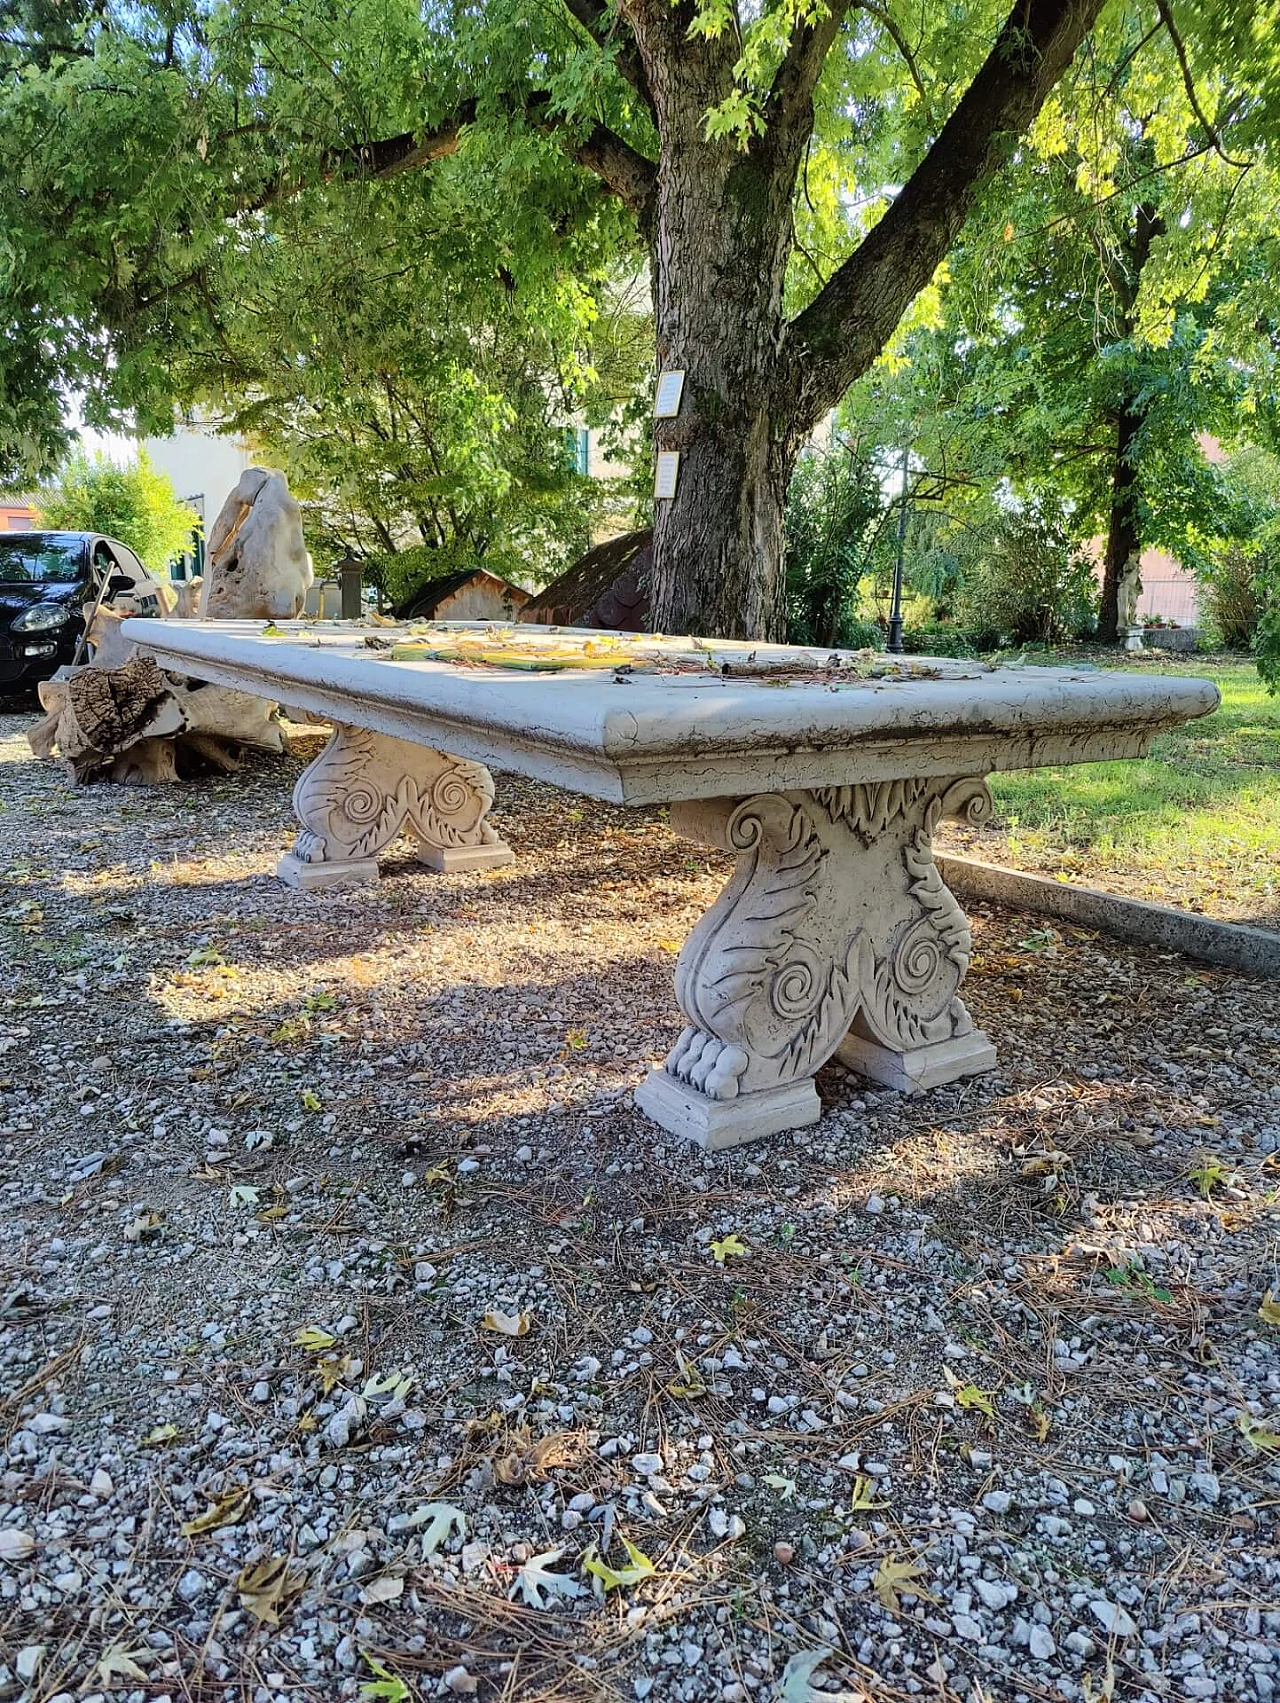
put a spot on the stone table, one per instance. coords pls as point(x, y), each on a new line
point(826, 776)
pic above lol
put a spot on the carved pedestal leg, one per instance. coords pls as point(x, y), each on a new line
point(834, 934)
point(365, 788)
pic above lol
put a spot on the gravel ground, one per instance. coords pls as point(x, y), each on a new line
point(359, 1339)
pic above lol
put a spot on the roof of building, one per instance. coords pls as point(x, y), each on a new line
point(604, 588)
point(436, 591)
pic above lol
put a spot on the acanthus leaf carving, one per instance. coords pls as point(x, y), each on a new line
point(835, 917)
point(366, 787)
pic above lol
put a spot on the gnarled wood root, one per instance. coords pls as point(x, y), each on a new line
point(125, 719)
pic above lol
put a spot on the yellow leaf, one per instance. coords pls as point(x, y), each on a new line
point(268, 1587)
point(308, 1422)
point(118, 1661)
point(228, 1510)
point(612, 1578)
point(970, 1396)
point(892, 1576)
point(1039, 1422)
point(686, 1392)
point(861, 1497)
point(507, 1324)
point(1269, 1309)
point(161, 1434)
point(1256, 1434)
point(730, 1246)
point(311, 1101)
point(313, 1339)
point(331, 1370)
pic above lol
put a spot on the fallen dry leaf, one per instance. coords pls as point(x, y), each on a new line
point(228, 1510)
point(892, 1576)
point(507, 1324)
point(268, 1588)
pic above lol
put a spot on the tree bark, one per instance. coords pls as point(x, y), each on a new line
point(1124, 526)
point(1124, 535)
point(722, 238)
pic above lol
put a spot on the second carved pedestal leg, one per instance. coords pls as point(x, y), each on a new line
point(835, 933)
point(365, 788)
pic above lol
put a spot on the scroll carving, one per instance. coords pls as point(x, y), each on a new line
point(365, 788)
point(835, 918)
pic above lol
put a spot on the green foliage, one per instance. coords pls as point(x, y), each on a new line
point(136, 504)
point(1114, 271)
point(1028, 580)
point(833, 506)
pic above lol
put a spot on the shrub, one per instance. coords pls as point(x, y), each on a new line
point(832, 503)
point(136, 504)
point(1028, 582)
point(949, 641)
point(1233, 596)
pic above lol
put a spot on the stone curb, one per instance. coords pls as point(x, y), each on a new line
point(1235, 945)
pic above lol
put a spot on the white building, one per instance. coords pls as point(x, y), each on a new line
point(202, 465)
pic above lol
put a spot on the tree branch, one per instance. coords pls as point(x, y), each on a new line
point(791, 94)
point(391, 155)
point(1188, 83)
point(602, 26)
point(881, 15)
point(621, 168)
point(847, 324)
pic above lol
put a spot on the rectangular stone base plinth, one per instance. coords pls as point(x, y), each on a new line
point(923, 1067)
point(450, 859)
point(715, 1124)
point(294, 873)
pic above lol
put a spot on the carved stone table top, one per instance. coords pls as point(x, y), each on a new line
point(650, 737)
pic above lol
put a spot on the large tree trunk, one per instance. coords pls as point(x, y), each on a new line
point(1124, 527)
point(1124, 533)
point(721, 236)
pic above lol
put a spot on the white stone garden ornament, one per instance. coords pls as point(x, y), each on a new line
point(827, 776)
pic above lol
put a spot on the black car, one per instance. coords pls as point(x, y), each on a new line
point(46, 579)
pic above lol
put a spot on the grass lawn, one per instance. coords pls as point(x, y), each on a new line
point(1196, 824)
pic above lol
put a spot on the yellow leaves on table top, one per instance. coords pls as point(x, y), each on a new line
point(230, 1508)
point(507, 1324)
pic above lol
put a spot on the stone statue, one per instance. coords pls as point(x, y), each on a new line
point(1128, 592)
point(257, 567)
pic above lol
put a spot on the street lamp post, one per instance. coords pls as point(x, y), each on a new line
point(894, 641)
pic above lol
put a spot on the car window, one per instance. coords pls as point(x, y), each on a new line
point(103, 558)
point(130, 564)
point(42, 557)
